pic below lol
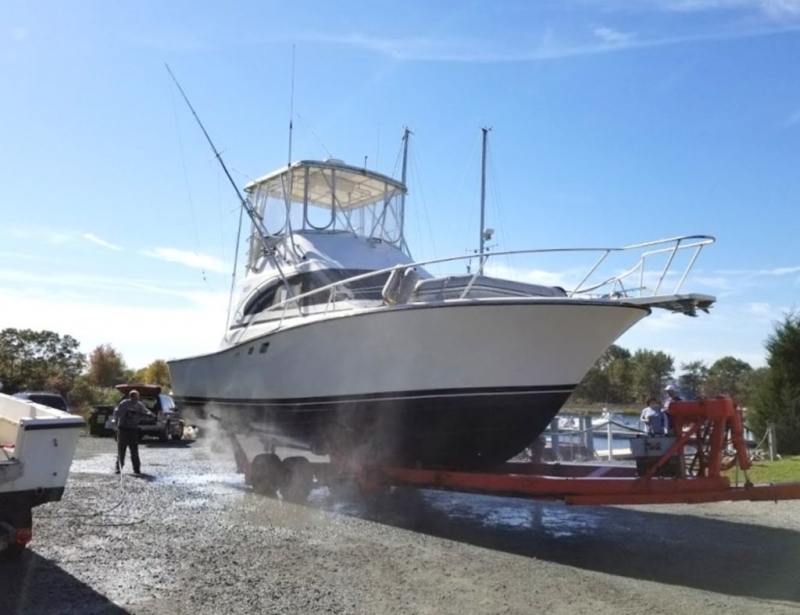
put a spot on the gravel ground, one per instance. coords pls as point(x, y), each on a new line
point(189, 538)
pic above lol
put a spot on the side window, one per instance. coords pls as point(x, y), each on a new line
point(261, 301)
point(273, 295)
point(166, 402)
point(312, 281)
point(295, 283)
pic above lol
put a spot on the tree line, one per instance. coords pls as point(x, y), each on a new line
point(47, 361)
point(771, 394)
point(623, 377)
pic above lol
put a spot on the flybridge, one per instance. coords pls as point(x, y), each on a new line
point(329, 196)
point(330, 184)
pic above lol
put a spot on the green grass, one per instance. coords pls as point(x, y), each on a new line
point(786, 470)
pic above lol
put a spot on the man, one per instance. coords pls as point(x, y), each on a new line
point(672, 395)
point(653, 417)
point(126, 416)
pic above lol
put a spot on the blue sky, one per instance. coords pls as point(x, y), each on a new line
point(612, 123)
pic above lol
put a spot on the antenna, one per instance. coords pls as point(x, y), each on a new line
point(288, 190)
point(483, 196)
point(406, 134)
point(291, 110)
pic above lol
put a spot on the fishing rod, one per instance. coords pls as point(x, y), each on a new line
point(269, 241)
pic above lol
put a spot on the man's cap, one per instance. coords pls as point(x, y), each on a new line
point(669, 387)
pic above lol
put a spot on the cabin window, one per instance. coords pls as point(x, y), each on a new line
point(263, 348)
point(365, 289)
point(261, 301)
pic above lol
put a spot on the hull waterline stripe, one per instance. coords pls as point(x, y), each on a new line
point(392, 396)
point(41, 426)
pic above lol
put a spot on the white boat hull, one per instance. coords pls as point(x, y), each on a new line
point(457, 383)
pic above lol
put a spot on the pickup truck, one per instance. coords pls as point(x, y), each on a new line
point(164, 422)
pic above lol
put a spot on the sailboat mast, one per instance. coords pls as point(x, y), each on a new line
point(483, 195)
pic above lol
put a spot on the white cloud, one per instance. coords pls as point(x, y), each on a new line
point(716, 282)
point(100, 242)
point(547, 48)
point(534, 276)
point(40, 234)
point(775, 9)
point(190, 259)
point(661, 320)
point(143, 319)
point(140, 333)
point(763, 311)
point(708, 336)
point(780, 271)
point(611, 36)
point(80, 283)
point(27, 257)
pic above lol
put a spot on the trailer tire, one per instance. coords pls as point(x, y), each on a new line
point(266, 474)
point(298, 479)
point(16, 519)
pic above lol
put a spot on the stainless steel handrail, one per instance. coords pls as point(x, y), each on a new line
point(697, 241)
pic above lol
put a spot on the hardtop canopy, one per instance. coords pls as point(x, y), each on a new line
point(330, 184)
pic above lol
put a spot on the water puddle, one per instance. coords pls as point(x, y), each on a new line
point(207, 483)
point(193, 503)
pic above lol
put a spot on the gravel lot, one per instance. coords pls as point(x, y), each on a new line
point(190, 538)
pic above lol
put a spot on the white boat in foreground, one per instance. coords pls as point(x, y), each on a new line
point(37, 444)
point(340, 342)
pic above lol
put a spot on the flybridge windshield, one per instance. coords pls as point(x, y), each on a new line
point(331, 196)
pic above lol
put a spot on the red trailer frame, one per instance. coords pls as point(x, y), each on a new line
point(709, 440)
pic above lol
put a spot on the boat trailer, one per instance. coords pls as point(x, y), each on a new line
point(688, 466)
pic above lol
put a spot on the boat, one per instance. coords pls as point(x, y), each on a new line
point(37, 444)
point(619, 424)
point(338, 341)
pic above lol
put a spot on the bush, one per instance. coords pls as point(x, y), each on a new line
point(84, 395)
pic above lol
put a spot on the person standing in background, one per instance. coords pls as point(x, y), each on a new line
point(653, 417)
point(126, 417)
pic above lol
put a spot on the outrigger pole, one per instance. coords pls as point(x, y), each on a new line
point(269, 241)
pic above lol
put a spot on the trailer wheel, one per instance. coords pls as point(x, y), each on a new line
point(15, 519)
point(298, 479)
point(266, 474)
point(179, 435)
